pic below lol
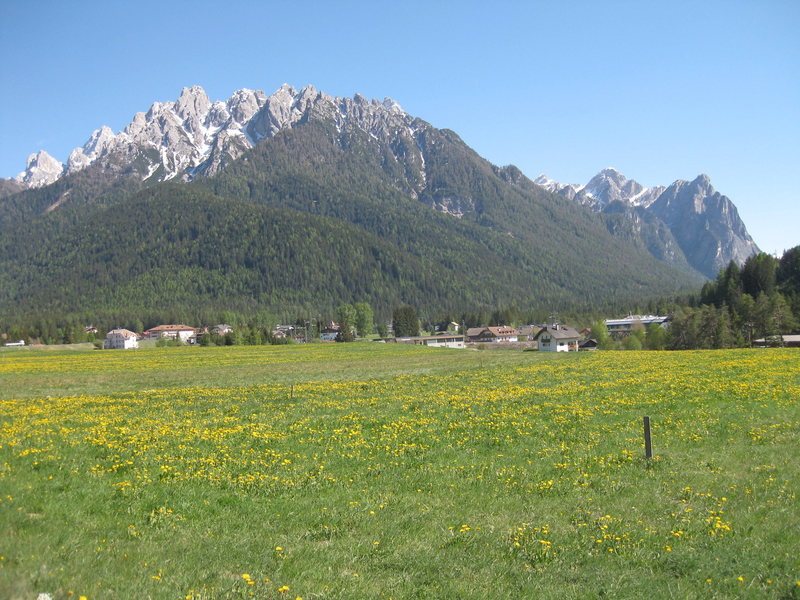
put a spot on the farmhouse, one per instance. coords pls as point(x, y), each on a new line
point(184, 333)
point(473, 333)
point(528, 332)
point(558, 338)
point(120, 339)
point(492, 334)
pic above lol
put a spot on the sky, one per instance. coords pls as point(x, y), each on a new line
point(658, 90)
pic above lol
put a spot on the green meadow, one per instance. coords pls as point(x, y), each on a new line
point(366, 470)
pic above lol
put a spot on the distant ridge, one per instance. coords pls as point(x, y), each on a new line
point(701, 223)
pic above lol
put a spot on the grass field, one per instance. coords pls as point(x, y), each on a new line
point(354, 471)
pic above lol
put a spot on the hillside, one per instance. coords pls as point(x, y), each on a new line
point(179, 247)
point(177, 250)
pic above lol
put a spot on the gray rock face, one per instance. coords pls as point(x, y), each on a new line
point(706, 225)
point(686, 222)
point(194, 137)
point(98, 144)
point(41, 169)
point(568, 190)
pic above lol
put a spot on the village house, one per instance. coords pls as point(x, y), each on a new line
point(500, 334)
point(183, 333)
point(528, 332)
point(120, 339)
point(558, 338)
point(473, 332)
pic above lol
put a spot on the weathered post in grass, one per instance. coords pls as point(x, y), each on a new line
point(648, 447)
point(291, 393)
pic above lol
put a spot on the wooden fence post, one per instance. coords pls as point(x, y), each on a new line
point(648, 447)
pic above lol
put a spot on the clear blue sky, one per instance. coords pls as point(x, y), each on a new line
point(659, 90)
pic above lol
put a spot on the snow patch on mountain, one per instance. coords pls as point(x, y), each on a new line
point(608, 186)
point(569, 190)
point(194, 136)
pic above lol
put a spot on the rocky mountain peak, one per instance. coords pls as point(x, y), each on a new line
point(612, 174)
point(391, 105)
point(609, 185)
point(40, 169)
point(703, 222)
point(568, 190)
point(703, 182)
point(193, 103)
point(706, 224)
point(98, 142)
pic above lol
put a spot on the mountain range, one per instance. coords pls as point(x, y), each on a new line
point(415, 212)
point(688, 217)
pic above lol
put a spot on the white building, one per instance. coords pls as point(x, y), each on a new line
point(622, 327)
point(558, 338)
point(120, 339)
point(184, 333)
point(439, 341)
point(492, 334)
